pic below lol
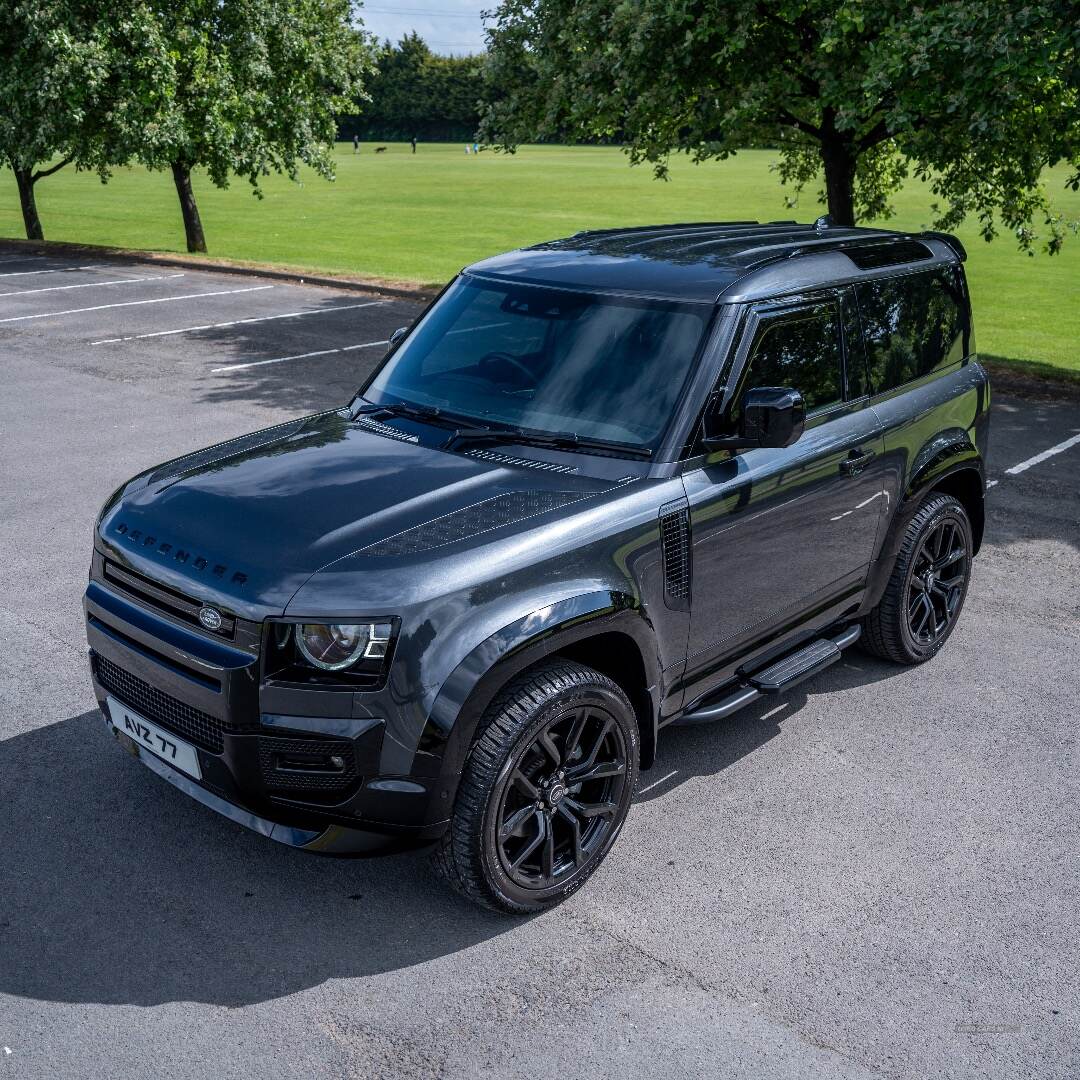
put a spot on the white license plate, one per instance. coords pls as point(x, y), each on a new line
point(161, 743)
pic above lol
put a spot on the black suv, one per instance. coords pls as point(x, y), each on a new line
point(602, 485)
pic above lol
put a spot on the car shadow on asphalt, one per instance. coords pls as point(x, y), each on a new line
point(117, 889)
point(687, 751)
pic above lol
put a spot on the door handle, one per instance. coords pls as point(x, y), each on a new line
point(856, 461)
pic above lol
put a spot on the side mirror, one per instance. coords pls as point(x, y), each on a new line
point(397, 335)
point(772, 416)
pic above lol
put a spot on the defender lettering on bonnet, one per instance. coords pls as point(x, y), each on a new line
point(628, 479)
point(179, 554)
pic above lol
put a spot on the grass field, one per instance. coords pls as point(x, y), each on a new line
point(420, 218)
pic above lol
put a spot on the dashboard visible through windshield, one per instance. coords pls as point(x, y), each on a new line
point(547, 360)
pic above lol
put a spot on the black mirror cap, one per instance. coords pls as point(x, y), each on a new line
point(397, 335)
point(772, 416)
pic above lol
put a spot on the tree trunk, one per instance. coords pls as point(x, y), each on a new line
point(192, 222)
point(839, 160)
point(25, 178)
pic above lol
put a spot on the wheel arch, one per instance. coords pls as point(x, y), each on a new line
point(952, 465)
point(607, 630)
point(966, 485)
point(617, 654)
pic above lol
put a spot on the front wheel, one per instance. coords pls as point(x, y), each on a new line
point(545, 790)
point(926, 592)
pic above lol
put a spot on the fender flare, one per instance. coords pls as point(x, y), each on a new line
point(470, 688)
point(948, 454)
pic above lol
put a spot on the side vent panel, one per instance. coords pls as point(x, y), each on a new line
point(675, 544)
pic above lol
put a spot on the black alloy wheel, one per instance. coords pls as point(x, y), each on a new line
point(564, 791)
point(545, 789)
point(925, 593)
point(936, 585)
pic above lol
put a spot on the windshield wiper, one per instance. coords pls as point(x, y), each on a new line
point(555, 440)
point(431, 414)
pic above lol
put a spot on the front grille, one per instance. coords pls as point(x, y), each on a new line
point(162, 598)
point(300, 764)
point(200, 728)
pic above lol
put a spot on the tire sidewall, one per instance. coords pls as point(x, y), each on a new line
point(949, 509)
point(508, 893)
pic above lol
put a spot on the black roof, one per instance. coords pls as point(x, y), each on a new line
point(710, 261)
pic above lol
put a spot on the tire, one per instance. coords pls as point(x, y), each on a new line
point(917, 613)
point(559, 745)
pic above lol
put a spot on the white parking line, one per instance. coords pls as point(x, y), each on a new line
point(1038, 459)
point(91, 284)
point(298, 356)
point(58, 270)
point(133, 303)
point(238, 322)
point(657, 783)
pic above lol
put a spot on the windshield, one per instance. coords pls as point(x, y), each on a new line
point(561, 362)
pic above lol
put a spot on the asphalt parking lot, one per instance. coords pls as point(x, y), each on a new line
point(876, 877)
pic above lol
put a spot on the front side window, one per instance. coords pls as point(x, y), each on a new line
point(911, 326)
point(801, 350)
point(561, 362)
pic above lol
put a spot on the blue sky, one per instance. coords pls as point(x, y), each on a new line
point(448, 26)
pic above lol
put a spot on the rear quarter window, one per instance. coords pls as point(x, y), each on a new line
point(912, 325)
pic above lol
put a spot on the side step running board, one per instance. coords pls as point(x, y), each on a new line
point(800, 665)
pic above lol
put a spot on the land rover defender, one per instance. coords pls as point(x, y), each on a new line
point(603, 485)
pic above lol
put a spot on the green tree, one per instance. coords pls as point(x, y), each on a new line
point(417, 92)
point(78, 82)
point(257, 87)
point(976, 96)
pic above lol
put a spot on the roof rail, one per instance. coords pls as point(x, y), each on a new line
point(672, 225)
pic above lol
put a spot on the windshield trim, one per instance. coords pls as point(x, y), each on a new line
point(578, 290)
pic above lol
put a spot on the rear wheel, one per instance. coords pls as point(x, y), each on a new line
point(545, 790)
point(926, 592)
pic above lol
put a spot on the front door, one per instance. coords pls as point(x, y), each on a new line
point(779, 534)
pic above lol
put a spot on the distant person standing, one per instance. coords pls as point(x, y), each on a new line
point(476, 148)
point(414, 144)
point(356, 144)
point(468, 149)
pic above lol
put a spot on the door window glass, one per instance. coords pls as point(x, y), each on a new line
point(911, 326)
point(802, 351)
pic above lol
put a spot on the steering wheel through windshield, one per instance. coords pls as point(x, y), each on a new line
point(488, 362)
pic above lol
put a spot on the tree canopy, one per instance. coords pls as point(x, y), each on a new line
point(415, 92)
point(976, 96)
point(258, 85)
point(79, 82)
point(237, 87)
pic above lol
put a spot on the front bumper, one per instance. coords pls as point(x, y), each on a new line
point(261, 766)
point(321, 839)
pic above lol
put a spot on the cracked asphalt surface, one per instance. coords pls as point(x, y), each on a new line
point(876, 876)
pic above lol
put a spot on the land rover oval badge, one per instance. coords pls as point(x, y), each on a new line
point(210, 618)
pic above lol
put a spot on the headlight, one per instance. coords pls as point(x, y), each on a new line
point(355, 653)
point(337, 646)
